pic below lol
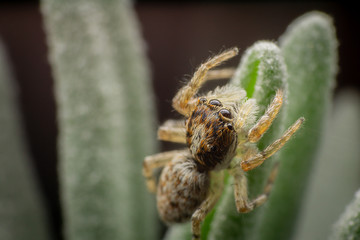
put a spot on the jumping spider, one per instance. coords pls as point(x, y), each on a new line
point(220, 132)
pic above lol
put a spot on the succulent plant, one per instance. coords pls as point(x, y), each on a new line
point(106, 119)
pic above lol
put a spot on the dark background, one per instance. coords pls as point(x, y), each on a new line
point(179, 36)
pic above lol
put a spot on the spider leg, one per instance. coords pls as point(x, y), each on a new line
point(155, 161)
point(258, 159)
point(217, 184)
point(256, 132)
point(243, 204)
point(173, 131)
point(184, 101)
point(217, 74)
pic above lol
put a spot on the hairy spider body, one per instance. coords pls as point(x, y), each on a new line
point(220, 132)
point(181, 189)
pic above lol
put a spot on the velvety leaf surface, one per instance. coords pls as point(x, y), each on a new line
point(348, 226)
point(261, 72)
point(105, 116)
point(309, 47)
point(336, 173)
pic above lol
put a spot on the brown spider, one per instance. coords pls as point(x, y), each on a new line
point(220, 132)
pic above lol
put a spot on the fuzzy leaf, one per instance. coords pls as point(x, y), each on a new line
point(261, 72)
point(338, 156)
point(22, 211)
point(180, 231)
point(309, 47)
point(106, 118)
point(348, 226)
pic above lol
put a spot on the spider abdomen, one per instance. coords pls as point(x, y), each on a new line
point(181, 189)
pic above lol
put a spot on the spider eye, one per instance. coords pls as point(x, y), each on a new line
point(202, 100)
point(230, 127)
point(225, 113)
point(215, 102)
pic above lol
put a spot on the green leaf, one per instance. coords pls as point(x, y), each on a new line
point(338, 156)
point(106, 118)
point(261, 72)
point(309, 48)
point(348, 226)
point(22, 211)
point(179, 231)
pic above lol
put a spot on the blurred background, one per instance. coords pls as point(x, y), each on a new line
point(178, 37)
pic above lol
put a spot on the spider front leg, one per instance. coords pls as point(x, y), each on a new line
point(259, 158)
point(155, 161)
point(243, 204)
point(265, 121)
point(217, 185)
point(184, 100)
point(217, 74)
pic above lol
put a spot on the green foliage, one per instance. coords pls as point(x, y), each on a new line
point(268, 76)
point(348, 226)
point(338, 156)
point(106, 127)
point(309, 48)
point(105, 117)
point(22, 211)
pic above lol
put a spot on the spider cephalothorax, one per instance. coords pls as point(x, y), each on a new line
point(219, 127)
point(210, 135)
